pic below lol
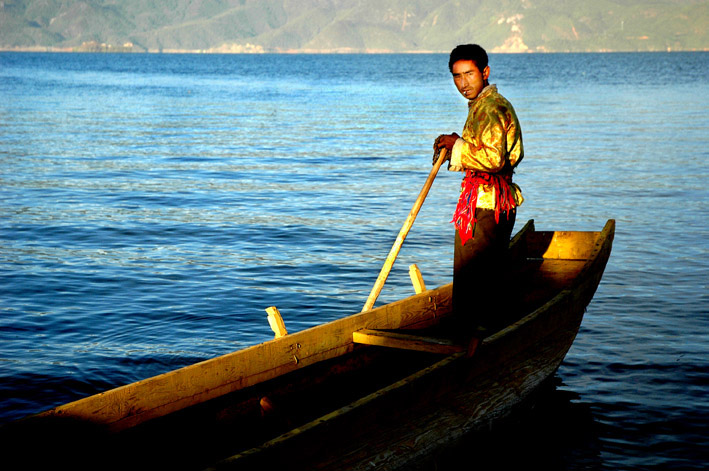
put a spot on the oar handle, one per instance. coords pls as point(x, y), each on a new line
point(389, 262)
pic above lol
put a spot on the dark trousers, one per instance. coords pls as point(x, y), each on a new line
point(479, 268)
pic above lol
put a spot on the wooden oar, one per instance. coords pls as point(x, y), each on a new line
point(389, 262)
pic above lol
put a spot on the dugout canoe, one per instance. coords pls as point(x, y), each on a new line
point(380, 389)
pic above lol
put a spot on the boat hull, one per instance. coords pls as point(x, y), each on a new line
point(318, 400)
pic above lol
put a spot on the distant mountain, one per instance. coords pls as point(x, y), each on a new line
point(354, 25)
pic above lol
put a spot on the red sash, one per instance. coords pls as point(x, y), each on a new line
point(464, 216)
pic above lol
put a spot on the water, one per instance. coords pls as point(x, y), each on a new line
point(152, 206)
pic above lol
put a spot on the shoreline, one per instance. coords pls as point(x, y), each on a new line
point(73, 50)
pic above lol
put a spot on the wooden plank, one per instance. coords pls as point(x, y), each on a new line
point(417, 279)
point(406, 341)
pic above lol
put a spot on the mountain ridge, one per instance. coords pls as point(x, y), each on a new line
point(243, 26)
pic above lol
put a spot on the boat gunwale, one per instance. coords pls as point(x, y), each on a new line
point(126, 417)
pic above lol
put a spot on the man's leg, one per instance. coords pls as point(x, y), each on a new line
point(479, 269)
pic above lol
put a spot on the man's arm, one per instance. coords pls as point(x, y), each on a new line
point(491, 136)
point(483, 146)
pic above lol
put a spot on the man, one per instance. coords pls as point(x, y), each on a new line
point(488, 151)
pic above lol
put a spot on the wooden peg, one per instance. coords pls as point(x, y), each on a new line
point(276, 322)
point(417, 279)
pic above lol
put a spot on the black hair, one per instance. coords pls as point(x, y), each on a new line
point(468, 52)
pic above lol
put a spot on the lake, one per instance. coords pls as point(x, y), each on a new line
point(152, 206)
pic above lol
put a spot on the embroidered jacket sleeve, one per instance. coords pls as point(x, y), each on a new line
point(491, 140)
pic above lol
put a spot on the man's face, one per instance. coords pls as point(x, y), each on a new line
point(468, 79)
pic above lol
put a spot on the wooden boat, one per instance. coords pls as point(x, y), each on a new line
point(376, 390)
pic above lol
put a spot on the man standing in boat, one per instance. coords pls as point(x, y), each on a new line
point(487, 152)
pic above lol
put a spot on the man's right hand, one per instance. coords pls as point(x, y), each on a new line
point(445, 140)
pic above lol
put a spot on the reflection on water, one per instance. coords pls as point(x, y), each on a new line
point(555, 431)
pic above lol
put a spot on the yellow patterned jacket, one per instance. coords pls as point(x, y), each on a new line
point(491, 142)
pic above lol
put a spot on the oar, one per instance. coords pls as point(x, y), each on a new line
point(389, 262)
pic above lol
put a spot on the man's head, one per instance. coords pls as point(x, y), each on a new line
point(470, 52)
point(468, 64)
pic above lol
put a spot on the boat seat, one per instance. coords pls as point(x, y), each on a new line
point(406, 341)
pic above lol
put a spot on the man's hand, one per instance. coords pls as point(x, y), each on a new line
point(445, 140)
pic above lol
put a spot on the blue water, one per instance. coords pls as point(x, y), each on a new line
point(152, 206)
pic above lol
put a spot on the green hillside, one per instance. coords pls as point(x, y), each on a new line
point(354, 25)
